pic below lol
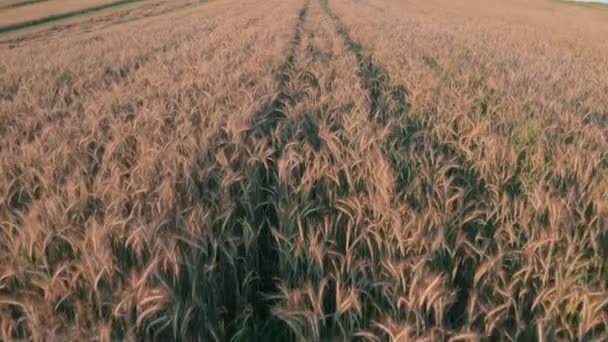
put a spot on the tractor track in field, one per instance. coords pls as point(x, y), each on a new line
point(374, 77)
point(265, 120)
point(389, 106)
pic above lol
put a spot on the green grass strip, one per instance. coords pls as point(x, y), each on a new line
point(61, 16)
point(21, 4)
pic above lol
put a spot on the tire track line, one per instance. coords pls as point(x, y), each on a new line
point(265, 217)
point(389, 106)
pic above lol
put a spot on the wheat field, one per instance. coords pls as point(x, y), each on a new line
point(306, 170)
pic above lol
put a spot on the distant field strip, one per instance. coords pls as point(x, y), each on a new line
point(61, 16)
point(98, 22)
point(21, 4)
